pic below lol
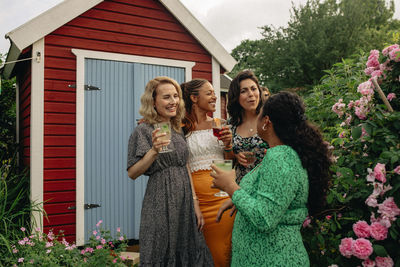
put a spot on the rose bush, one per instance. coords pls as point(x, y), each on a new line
point(360, 225)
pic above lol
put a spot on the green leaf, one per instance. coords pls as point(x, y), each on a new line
point(356, 132)
point(380, 250)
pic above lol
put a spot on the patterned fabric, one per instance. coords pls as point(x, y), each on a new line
point(204, 148)
point(247, 144)
point(168, 230)
point(271, 207)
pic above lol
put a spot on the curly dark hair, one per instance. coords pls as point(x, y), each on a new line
point(286, 112)
point(235, 110)
point(190, 88)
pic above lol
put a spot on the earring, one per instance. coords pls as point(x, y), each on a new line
point(264, 129)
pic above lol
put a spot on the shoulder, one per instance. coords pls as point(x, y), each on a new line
point(284, 156)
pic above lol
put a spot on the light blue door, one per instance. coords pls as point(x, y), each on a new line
point(110, 117)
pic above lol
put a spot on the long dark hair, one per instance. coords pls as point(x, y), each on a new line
point(286, 112)
point(235, 110)
point(190, 88)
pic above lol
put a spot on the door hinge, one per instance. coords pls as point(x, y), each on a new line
point(91, 206)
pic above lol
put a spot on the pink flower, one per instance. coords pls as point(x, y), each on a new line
point(380, 172)
point(370, 177)
point(386, 51)
point(98, 237)
point(378, 231)
point(23, 229)
point(114, 260)
point(94, 232)
point(362, 248)
point(397, 170)
point(121, 238)
point(346, 246)
point(48, 251)
point(100, 222)
point(391, 96)
point(389, 209)
point(21, 260)
point(90, 250)
point(119, 230)
point(373, 59)
point(328, 217)
point(361, 229)
point(339, 108)
point(49, 244)
point(342, 134)
point(307, 222)
point(366, 88)
point(82, 251)
point(103, 241)
point(99, 247)
point(384, 261)
point(368, 263)
point(369, 70)
point(395, 55)
point(377, 73)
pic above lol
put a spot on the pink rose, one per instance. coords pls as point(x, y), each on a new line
point(397, 170)
point(386, 51)
point(361, 229)
point(378, 231)
point(346, 247)
point(395, 54)
point(389, 209)
point(368, 263)
point(365, 88)
point(362, 248)
point(380, 172)
point(391, 96)
point(384, 261)
point(307, 222)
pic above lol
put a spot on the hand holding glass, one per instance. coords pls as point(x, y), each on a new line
point(225, 165)
point(165, 127)
point(217, 127)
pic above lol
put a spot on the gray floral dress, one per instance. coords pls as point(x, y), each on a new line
point(168, 232)
point(240, 143)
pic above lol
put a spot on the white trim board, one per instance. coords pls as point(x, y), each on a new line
point(37, 132)
point(81, 55)
point(216, 80)
point(54, 18)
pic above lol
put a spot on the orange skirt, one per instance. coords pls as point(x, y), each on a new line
point(218, 235)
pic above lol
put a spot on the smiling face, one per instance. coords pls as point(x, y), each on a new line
point(249, 95)
point(166, 101)
point(206, 99)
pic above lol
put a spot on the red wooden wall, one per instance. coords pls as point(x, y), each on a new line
point(137, 27)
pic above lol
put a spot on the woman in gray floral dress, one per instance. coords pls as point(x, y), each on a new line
point(169, 234)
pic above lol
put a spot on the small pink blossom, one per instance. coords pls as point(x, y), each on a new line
point(395, 55)
point(339, 108)
point(391, 96)
point(21, 260)
point(82, 251)
point(48, 251)
point(94, 232)
point(362, 248)
point(397, 170)
point(307, 222)
point(346, 247)
point(378, 231)
point(114, 260)
point(15, 250)
point(366, 88)
point(328, 217)
point(388, 209)
point(99, 247)
point(123, 258)
point(370, 177)
point(99, 223)
point(119, 230)
point(369, 70)
point(98, 237)
point(368, 263)
point(384, 261)
point(380, 172)
point(49, 244)
point(90, 250)
point(23, 229)
point(373, 59)
point(103, 241)
point(387, 49)
point(361, 229)
point(377, 73)
point(121, 238)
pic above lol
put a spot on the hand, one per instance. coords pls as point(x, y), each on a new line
point(228, 204)
point(241, 159)
point(226, 136)
point(199, 215)
point(157, 142)
point(224, 180)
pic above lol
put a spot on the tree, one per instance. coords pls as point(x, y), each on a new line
point(318, 35)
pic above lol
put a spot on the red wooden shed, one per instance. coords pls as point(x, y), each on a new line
point(68, 49)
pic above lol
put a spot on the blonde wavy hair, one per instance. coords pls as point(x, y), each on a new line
point(148, 98)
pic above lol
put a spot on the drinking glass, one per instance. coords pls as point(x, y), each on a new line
point(217, 128)
point(225, 165)
point(165, 127)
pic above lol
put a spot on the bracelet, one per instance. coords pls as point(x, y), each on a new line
point(228, 149)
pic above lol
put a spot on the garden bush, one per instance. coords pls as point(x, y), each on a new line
point(359, 226)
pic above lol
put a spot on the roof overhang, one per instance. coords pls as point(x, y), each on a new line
point(59, 15)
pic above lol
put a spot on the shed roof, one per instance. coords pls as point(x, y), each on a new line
point(52, 19)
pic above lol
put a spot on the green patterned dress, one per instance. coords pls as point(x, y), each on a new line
point(271, 208)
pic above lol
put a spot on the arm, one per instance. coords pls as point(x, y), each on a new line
point(140, 166)
point(265, 207)
point(226, 138)
point(196, 203)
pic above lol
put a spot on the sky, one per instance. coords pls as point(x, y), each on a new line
point(229, 21)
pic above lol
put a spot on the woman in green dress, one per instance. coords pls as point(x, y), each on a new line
point(274, 199)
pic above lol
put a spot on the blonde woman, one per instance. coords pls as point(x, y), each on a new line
point(200, 100)
point(168, 233)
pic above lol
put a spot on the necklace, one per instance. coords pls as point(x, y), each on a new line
point(251, 130)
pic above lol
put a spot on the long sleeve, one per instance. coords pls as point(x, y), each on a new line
point(265, 196)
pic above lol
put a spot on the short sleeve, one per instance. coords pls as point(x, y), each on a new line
point(139, 143)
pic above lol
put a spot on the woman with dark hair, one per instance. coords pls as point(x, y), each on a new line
point(274, 199)
point(244, 104)
point(168, 234)
point(200, 100)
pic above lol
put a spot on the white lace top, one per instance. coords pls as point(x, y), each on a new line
point(203, 148)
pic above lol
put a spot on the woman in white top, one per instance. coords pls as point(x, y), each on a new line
point(200, 101)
